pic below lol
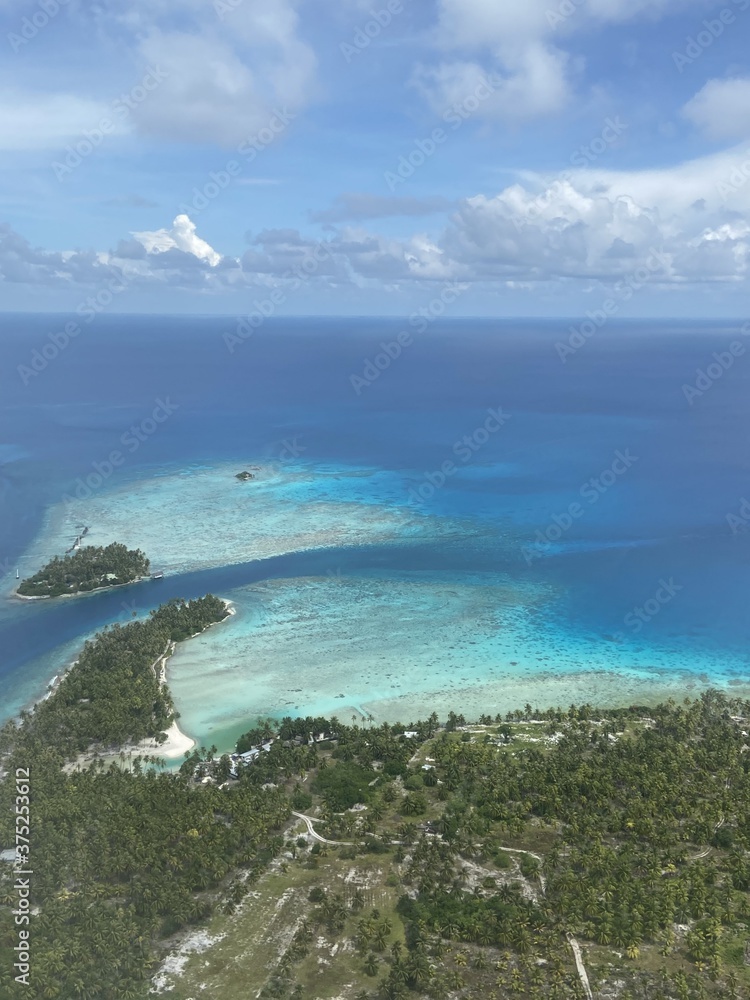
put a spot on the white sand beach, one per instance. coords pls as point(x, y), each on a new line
point(177, 745)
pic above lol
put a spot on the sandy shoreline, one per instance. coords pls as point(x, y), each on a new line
point(15, 596)
point(177, 743)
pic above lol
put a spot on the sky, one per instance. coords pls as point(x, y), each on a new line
point(374, 157)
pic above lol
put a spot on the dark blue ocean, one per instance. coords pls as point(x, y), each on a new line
point(600, 499)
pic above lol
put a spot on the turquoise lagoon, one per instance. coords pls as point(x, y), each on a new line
point(413, 613)
point(362, 585)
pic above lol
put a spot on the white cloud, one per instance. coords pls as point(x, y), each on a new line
point(528, 84)
point(594, 227)
point(222, 70)
point(477, 24)
point(182, 236)
point(600, 224)
point(521, 42)
point(209, 94)
point(49, 121)
point(228, 74)
point(224, 87)
point(500, 24)
point(721, 109)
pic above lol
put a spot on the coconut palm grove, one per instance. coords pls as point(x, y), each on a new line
point(544, 853)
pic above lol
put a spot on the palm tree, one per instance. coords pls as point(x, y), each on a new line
point(380, 939)
point(456, 980)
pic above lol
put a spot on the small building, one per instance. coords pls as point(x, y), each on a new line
point(248, 757)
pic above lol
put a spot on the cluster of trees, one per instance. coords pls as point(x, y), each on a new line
point(122, 860)
point(260, 733)
point(121, 857)
point(637, 830)
point(307, 727)
point(113, 693)
point(626, 814)
point(89, 568)
point(343, 786)
point(628, 829)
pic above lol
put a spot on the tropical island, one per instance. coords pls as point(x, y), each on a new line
point(89, 568)
point(553, 853)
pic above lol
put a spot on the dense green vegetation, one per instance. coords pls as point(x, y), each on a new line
point(121, 858)
point(495, 850)
point(114, 694)
point(89, 568)
point(625, 832)
point(344, 786)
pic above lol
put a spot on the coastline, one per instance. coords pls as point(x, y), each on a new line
point(176, 745)
point(14, 595)
point(332, 507)
point(599, 688)
point(177, 742)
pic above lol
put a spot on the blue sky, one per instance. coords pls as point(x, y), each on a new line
point(539, 157)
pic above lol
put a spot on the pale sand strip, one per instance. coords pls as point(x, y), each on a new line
point(176, 745)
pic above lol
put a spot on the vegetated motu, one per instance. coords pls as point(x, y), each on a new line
point(90, 568)
point(123, 855)
point(637, 819)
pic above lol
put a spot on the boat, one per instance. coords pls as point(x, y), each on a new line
point(157, 576)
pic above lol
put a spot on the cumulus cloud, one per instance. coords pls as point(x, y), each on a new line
point(217, 91)
point(222, 68)
point(586, 225)
point(721, 109)
point(529, 83)
point(182, 236)
point(599, 224)
point(521, 44)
